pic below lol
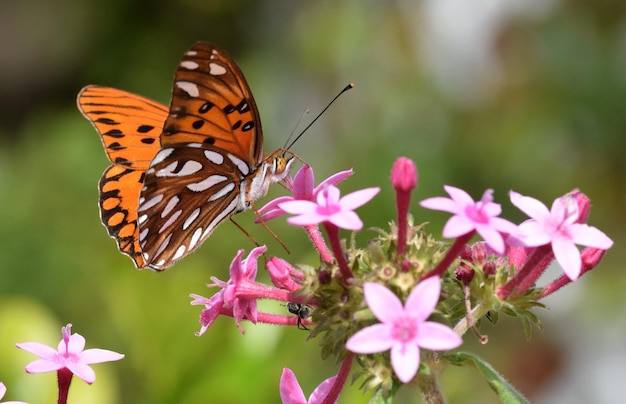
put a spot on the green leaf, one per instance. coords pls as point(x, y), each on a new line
point(505, 391)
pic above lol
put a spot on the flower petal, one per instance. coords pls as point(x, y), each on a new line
point(298, 207)
point(307, 219)
point(358, 198)
point(440, 203)
point(534, 208)
point(3, 389)
point(459, 196)
point(303, 183)
point(346, 220)
point(492, 237)
point(532, 234)
point(96, 355)
point(38, 349)
point(458, 226)
point(589, 236)
point(423, 298)
point(372, 339)
point(385, 305)
point(405, 360)
point(568, 256)
point(322, 390)
point(76, 344)
point(290, 390)
point(43, 366)
point(437, 337)
point(333, 180)
point(83, 371)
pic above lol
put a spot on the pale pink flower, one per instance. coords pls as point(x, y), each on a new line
point(69, 354)
point(291, 392)
point(330, 208)
point(302, 188)
point(403, 329)
point(481, 216)
point(559, 227)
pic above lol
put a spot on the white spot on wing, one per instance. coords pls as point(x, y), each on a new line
point(170, 205)
point(188, 87)
point(170, 221)
point(191, 218)
point(191, 53)
point(160, 156)
point(218, 219)
point(153, 201)
point(241, 165)
point(216, 70)
point(188, 64)
point(224, 191)
point(190, 167)
point(206, 183)
point(179, 252)
point(196, 145)
point(142, 219)
point(214, 157)
point(195, 238)
point(168, 171)
point(143, 235)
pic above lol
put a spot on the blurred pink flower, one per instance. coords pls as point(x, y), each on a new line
point(291, 392)
point(70, 354)
point(559, 227)
point(403, 329)
point(3, 391)
point(330, 208)
point(468, 216)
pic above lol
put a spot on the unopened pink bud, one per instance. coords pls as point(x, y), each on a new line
point(404, 174)
point(282, 274)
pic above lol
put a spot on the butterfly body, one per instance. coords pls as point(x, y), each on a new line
point(179, 172)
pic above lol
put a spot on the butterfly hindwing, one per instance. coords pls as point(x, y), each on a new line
point(188, 190)
point(212, 104)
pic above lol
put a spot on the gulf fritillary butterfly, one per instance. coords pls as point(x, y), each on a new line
point(177, 173)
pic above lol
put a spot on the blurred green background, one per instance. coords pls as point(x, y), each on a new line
point(524, 95)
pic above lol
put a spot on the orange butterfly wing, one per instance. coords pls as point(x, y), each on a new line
point(129, 126)
point(212, 104)
point(212, 140)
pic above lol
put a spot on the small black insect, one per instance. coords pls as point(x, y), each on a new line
point(301, 310)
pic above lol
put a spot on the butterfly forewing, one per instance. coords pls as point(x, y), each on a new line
point(212, 104)
point(189, 189)
point(129, 125)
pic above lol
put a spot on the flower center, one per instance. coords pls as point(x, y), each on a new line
point(475, 213)
point(404, 329)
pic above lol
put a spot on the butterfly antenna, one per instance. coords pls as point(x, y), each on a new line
point(346, 88)
point(306, 111)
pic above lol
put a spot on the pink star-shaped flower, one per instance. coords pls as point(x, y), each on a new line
point(330, 208)
point(403, 329)
point(69, 354)
point(558, 227)
point(469, 216)
point(242, 273)
point(301, 186)
point(3, 390)
point(291, 392)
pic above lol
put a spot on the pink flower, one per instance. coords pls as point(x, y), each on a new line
point(560, 227)
point(404, 330)
point(70, 354)
point(301, 186)
point(329, 208)
point(233, 295)
point(291, 392)
point(3, 390)
point(469, 216)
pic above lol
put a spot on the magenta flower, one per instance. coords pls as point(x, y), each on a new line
point(403, 329)
point(468, 216)
point(329, 208)
point(232, 296)
point(70, 354)
point(3, 391)
point(301, 186)
point(559, 227)
point(291, 392)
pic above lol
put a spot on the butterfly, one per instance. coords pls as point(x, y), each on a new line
point(178, 172)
